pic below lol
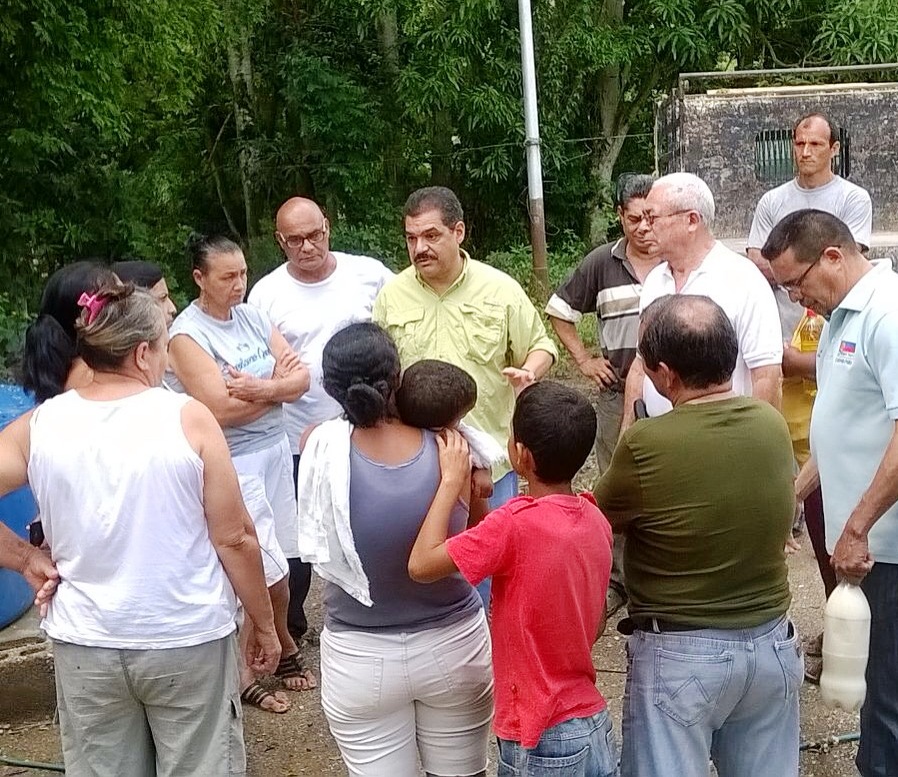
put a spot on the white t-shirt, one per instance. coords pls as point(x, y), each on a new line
point(845, 200)
point(308, 314)
point(734, 283)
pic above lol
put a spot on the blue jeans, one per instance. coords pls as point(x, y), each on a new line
point(877, 755)
point(579, 747)
point(727, 694)
point(504, 489)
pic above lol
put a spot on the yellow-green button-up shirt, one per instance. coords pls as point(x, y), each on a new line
point(483, 323)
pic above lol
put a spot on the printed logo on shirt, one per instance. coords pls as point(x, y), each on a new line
point(845, 354)
point(254, 363)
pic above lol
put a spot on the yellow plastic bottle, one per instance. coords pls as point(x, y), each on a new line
point(808, 336)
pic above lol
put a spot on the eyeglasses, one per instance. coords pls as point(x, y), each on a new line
point(651, 218)
point(296, 241)
point(793, 286)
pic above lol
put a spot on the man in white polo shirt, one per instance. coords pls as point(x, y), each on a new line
point(315, 293)
point(854, 439)
point(680, 210)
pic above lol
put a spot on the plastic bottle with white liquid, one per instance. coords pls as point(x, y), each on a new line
point(846, 645)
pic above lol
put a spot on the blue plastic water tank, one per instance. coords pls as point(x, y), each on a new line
point(17, 510)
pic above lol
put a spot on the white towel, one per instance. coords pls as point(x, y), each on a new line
point(485, 451)
point(322, 496)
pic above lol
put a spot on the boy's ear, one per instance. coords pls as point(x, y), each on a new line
point(521, 457)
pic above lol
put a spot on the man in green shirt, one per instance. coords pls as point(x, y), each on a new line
point(450, 307)
point(715, 665)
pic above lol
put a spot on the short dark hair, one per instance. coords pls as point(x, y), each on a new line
point(807, 232)
point(142, 274)
point(632, 186)
point(201, 247)
point(833, 130)
point(435, 198)
point(435, 394)
point(360, 367)
point(557, 424)
point(692, 335)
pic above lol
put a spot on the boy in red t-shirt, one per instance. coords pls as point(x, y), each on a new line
point(549, 554)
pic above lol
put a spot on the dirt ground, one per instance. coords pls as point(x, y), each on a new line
point(298, 742)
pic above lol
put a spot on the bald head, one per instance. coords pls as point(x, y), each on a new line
point(819, 122)
point(297, 208)
point(692, 335)
point(303, 233)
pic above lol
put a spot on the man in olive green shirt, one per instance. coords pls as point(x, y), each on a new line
point(715, 666)
point(450, 307)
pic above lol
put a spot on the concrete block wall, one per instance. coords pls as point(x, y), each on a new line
point(717, 132)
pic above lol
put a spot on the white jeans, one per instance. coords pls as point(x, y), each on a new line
point(390, 698)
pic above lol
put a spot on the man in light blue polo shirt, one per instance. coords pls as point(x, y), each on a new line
point(854, 439)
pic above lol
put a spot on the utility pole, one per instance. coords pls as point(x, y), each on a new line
point(534, 161)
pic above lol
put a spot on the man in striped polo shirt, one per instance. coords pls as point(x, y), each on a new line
point(608, 283)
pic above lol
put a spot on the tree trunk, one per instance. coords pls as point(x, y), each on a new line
point(441, 149)
point(388, 45)
point(609, 130)
point(241, 76)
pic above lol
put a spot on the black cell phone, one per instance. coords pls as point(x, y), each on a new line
point(639, 409)
point(36, 533)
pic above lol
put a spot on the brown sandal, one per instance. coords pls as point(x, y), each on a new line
point(290, 668)
point(255, 694)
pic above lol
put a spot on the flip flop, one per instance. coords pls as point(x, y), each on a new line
point(291, 668)
point(255, 694)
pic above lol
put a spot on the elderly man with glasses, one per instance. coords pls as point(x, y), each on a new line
point(309, 297)
point(854, 439)
point(680, 211)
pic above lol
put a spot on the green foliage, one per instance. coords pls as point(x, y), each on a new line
point(13, 320)
point(858, 32)
point(125, 125)
point(566, 253)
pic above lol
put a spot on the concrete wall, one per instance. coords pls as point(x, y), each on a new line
point(717, 134)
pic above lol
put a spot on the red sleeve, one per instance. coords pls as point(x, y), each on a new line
point(485, 549)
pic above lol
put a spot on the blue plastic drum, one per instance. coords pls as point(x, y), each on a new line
point(17, 510)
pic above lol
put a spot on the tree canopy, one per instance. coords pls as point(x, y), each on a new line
point(127, 124)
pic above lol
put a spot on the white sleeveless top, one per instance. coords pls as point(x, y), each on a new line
point(120, 492)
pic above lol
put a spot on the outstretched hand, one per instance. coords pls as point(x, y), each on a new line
point(519, 378)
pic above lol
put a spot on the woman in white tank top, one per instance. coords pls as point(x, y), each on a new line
point(144, 520)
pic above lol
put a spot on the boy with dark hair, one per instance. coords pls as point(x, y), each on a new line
point(437, 395)
point(550, 556)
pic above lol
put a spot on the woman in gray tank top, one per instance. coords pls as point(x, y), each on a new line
point(410, 677)
point(232, 358)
